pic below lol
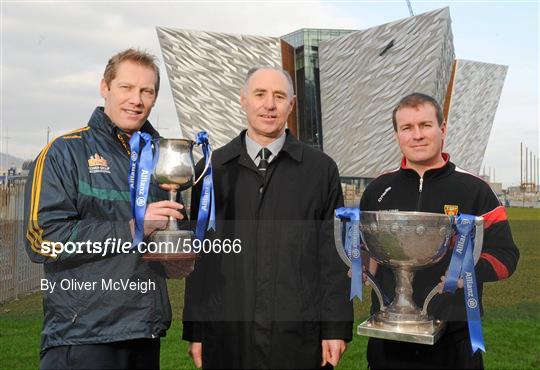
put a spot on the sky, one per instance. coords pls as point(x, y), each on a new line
point(53, 53)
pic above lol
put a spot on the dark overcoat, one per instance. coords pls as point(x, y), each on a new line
point(271, 304)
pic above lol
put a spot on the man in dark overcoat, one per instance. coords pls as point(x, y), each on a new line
point(282, 300)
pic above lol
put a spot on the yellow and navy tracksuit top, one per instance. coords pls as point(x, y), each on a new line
point(78, 191)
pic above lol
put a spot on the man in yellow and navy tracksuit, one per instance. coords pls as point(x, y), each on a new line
point(101, 310)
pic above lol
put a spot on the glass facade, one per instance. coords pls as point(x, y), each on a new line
point(308, 93)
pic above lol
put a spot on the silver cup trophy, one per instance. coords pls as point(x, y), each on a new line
point(175, 171)
point(406, 242)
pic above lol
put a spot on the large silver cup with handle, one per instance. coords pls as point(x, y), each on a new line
point(174, 172)
point(406, 242)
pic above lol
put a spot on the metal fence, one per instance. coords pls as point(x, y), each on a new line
point(18, 275)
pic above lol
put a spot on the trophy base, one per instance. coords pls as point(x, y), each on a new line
point(422, 331)
point(170, 243)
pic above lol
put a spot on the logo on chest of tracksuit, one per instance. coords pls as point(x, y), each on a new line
point(384, 193)
point(451, 210)
point(98, 164)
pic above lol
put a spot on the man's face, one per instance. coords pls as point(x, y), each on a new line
point(419, 136)
point(130, 96)
point(267, 103)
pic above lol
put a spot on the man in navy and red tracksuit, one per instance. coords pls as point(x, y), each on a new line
point(428, 182)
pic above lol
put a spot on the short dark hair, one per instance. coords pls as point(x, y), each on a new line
point(414, 100)
point(133, 55)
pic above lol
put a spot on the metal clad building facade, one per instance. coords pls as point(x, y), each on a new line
point(473, 103)
point(365, 74)
point(206, 72)
point(353, 78)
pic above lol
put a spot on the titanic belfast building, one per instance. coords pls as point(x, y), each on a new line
point(346, 82)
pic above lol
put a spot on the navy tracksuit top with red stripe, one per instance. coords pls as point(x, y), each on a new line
point(404, 190)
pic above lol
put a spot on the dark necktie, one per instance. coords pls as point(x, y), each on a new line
point(264, 154)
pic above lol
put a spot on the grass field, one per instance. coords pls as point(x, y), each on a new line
point(511, 323)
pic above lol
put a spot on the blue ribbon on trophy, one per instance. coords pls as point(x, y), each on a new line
point(143, 160)
point(142, 164)
point(462, 265)
point(350, 223)
point(206, 219)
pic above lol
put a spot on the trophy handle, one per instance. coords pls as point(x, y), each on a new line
point(478, 238)
point(383, 299)
point(429, 297)
point(204, 170)
point(478, 241)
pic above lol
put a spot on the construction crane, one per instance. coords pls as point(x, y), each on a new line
point(410, 8)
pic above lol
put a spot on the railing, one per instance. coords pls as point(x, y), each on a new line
point(18, 275)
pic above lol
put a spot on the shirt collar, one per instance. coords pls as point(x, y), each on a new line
point(236, 147)
point(253, 148)
point(445, 156)
point(445, 169)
